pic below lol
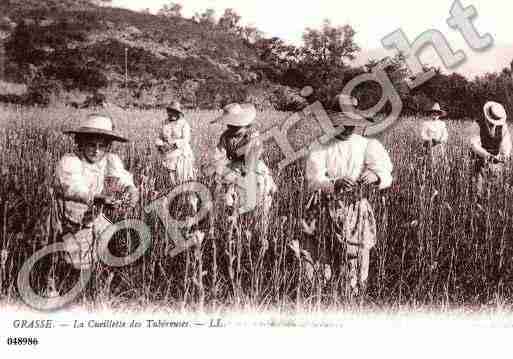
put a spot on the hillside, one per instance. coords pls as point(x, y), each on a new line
point(71, 51)
point(82, 47)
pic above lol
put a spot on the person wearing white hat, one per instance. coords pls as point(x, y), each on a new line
point(491, 148)
point(434, 135)
point(86, 181)
point(338, 174)
point(174, 145)
point(237, 154)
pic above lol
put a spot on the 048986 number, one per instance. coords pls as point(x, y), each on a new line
point(22, 341)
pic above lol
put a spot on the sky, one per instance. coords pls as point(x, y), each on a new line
point(372, 20)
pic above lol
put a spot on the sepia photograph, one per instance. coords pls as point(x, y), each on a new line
point(170, 167)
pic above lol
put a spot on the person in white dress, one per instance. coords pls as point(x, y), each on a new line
point(434, 135)
point(175, 147)
point(338, 174)
point(491, 148)
point(86, 181)
point(240, 171)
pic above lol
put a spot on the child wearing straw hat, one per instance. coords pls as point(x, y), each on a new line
point(87, 180)
point(491, 148)
point(434, 134)
point(338, 173)
point(237, 158)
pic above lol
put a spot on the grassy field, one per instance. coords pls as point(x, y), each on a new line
point(435, 247)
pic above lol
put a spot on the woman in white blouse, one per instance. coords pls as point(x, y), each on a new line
point(86, 180)
point(174, 145)
point(491, 148)
point(336, 173)
point(177, 156)
point(434, 134)
point(246, 181)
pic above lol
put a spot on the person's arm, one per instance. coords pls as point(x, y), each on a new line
point(116, 168)
point(183, 140)
point(271, 185)
point(70, 182)
point(445, 133)
point(165, 140)
point(505, 149)
point(253, 152)
point(425, 132)
point(377, 162)
point(316, 172)
point(220, 159)
point(186, 136)
point(165, 134)
point(477, 148)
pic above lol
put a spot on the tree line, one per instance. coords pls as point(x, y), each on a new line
point(323, 61)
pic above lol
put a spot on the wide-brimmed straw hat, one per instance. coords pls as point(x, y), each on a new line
point(339, 119)
point(346, 100)
point(175, 107)
point(495, 113)
point(438, 110)
point(239, 115)
point(100, 125)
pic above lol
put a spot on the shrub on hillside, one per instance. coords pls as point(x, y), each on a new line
point(41, 90)
point(217, 94)
point(261, 97)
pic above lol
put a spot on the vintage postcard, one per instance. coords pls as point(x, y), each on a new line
point(175, 171)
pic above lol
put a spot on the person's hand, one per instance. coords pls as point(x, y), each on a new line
point(344, 184)
point(368, 177)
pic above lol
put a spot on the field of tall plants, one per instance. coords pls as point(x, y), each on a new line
point(437, 246)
